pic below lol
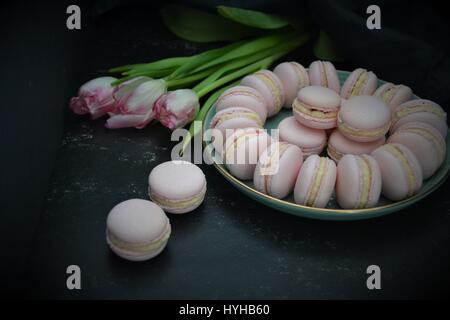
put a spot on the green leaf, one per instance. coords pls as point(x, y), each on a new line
point(252, 18)
point(325, 49)
point(198, 26)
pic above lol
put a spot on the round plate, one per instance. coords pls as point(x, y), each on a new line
point(332, 210)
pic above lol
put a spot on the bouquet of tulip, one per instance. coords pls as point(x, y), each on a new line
point(140, 95)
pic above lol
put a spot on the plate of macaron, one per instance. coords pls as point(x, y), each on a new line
point(348, 145)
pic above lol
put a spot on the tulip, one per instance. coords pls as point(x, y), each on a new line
point(176, 108)
point(94, 98)
point(134, 102)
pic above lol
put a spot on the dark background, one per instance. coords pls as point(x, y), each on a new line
point(61, 174)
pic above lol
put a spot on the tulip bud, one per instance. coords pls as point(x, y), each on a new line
point(176, 108)
point(94, 97)
point(134, 102)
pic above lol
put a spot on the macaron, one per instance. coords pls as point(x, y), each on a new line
point(177, 186)
point(309, 140)
point(316, 107)
point(420, 110)
point(315, 182)
point(244, 97)
point(323, 73)
point(401, 174)
point(293, 76)
point(339, 146)
point(359, 82)
point(425, 142)
point(277, 169)
point(393, 95)
point(270, 87)
point(358, 182)
point(137, 230)
point(242, 150)
point(364, 118)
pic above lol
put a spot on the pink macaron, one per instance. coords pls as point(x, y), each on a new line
point(270, 87)
point(277, 169)
point(420, 110)
point(311, 141)
point(425, 142)
point(358, 183)
point(242, 150)
point(339, 146)
point(316, 107)
point(359, 82)
point(393, 95)
point(244, 97)
point(364, 118)
point(177, 186)
point(323, 73)
point(400, 171)
point(315, 182)
point(293, 76)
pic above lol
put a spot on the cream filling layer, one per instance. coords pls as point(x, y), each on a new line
point(359, 84)
point(368, 133)
point(317, 182)
point(439, 145)
point(282, 147)
point(366, 182)
point(240, 114)
point(237, 142)
point(388, 94)
point(396, 152)
point(140, 248)
point(419, 108)
point(178, 204)
point(300, 75)
point(334, 153)
point(273, 88)
point(297, 105)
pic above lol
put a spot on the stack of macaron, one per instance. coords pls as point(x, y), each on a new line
point(350, 122)
point(138, 229)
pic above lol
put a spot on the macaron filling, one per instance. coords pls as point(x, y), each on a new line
point(282, 147)
point(320, 173)
point(313, 112)
point(399, 154)
point(427, 107)
point(240, 92)
point(369, 133)
point(232, 114)
point(359, 83)
point(366, 181)
point(301, 75)
point(239, 140)
point(273, 86)
point(428, 135)
point(139, 247)
point(178, 204)
point(333, 153)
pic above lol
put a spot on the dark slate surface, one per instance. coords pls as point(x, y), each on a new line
point(231, 246)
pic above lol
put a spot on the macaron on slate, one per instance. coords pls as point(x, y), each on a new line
point(338, 146)
point(177, 186)
point(358, 182)
point(309, 140)
point(323, 73)
point(137, 230)
point(420, 110)
point(393, 95)
point(315, 182)
point(242, 150)
point(359, 82)
point(270, 87)
point(244, 97)
point(425, 142)
point(277, 169)
point(400, 171)
point(364, 118)
point(293, 76)
point(316, 107)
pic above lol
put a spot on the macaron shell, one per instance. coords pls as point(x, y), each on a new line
point(425, 142)
point(401, 176)
point(285, 166)
point(315, 182)
point(242, 151)
point(339, 145)
point(309, 140)
point(420, 110)
point(270, 87)
point(245, 97)
point(235, 118)
point(358, 182)
point(293, 76)
point(177, 186)
point(323, 73)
